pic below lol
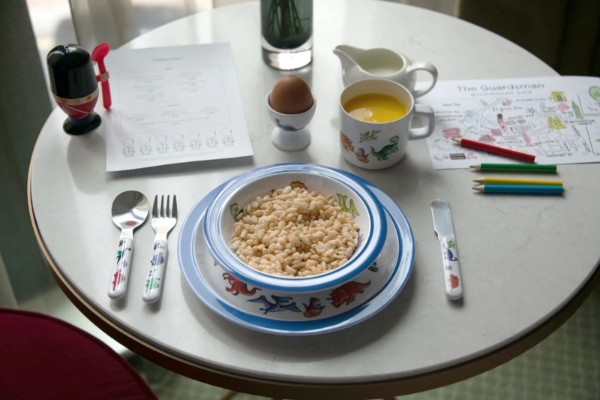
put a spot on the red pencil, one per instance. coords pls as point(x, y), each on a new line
point(494, 149)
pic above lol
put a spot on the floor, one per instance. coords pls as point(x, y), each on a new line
point(54, 302)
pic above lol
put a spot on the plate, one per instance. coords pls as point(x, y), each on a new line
point(191, 270)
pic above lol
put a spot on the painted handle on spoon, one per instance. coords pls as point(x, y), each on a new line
point(156, 271)
point(106, 98)
point(121, 267)
point(452, 278)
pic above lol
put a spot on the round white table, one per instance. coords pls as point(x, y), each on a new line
point(527, 262)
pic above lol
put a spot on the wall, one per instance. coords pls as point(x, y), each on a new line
point(24, 107)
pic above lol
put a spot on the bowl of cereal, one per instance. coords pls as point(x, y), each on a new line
point(295, 228)
point(327, 301)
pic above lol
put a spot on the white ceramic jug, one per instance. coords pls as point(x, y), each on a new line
point(359, 64)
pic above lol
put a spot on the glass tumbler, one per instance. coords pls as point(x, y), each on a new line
point(286, 27)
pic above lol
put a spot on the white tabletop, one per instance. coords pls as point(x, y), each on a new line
point(523, 258)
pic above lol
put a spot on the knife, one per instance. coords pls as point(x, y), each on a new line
point(442, 224)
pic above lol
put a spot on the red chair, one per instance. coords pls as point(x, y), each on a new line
point(42, 357)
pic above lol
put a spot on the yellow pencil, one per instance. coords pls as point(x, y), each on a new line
point(516, 181)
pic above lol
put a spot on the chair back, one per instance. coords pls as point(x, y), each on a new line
point(46, 358)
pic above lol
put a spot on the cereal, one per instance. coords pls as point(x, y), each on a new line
point(294, 232)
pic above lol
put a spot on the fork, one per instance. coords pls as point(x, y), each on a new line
point(162, 225)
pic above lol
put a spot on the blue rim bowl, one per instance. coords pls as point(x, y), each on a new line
point(251, 184)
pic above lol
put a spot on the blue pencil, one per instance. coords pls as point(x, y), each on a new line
point(519, 189)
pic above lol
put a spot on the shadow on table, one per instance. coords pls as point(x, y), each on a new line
point(89, 171)
point(188, 167)
point(83, 161)
point(300, 348)
point(400, 181)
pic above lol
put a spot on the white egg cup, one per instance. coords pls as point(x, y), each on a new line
point(289, 134)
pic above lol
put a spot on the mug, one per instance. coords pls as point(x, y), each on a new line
point(380, 145)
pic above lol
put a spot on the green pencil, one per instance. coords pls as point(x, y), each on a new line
point(541, 168)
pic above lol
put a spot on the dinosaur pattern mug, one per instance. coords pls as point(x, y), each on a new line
point(380, 145)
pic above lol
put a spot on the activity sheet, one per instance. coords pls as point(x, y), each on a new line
point(174, 105)
point(555, 119)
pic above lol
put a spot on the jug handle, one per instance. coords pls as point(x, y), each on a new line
point(423, 66)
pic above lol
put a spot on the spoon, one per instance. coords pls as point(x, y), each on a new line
point(98, 55)
point(129, 210)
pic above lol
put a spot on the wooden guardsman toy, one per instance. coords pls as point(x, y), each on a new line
point(74, 86)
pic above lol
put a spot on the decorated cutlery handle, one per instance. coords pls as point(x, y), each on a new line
point(452, 278)
point(156, 271)
point(120, 270)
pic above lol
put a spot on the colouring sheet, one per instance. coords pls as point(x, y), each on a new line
point(174, 105)
point(555, 119)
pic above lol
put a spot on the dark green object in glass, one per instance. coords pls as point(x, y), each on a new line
point(286, 24)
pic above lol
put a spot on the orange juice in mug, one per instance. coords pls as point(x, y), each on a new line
point(375, 107)
point(375, 122)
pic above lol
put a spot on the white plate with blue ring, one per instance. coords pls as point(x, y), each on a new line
point(362, 258)
point(191, 270)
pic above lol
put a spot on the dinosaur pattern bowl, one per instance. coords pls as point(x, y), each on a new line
point(354, 198)
point(305, 306)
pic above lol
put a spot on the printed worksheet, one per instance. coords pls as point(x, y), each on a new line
point(555, 119)
point(174, 105)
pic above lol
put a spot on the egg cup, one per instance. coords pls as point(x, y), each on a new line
point(289, 134)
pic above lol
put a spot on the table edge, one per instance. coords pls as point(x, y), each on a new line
point(263, 387)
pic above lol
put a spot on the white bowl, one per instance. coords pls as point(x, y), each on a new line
point(219, 221)
point(306, 306)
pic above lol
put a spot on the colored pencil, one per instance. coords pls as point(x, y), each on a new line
point(494, 149)
point(519, 189)
point(539, 168)
point(514, 181)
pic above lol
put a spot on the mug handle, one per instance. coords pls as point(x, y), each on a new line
point(426, 131)
point(423, 66)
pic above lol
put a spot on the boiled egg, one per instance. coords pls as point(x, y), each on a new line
point(291, 95)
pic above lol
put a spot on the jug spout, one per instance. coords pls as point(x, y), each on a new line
point(347, 55)
point(351, 70)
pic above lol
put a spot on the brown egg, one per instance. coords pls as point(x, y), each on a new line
point(291, 95)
